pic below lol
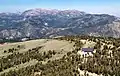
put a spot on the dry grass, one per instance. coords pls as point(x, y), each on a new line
point(28, 45)
point(61, 47)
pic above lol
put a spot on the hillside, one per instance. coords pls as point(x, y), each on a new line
point(15, 56)
point(61, 56)
point(42, 23)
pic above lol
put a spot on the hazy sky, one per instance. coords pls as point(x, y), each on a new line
point(89, 6)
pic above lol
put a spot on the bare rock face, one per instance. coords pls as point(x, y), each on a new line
point(36, 23)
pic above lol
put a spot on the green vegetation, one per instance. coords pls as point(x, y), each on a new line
point(104, 60)
point(9, 40)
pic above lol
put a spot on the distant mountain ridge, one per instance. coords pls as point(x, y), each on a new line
point(36, 23)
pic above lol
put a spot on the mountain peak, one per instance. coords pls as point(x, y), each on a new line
point(36, 23)
point(39, 11)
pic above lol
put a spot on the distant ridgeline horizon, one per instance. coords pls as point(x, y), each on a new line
point(41, 23)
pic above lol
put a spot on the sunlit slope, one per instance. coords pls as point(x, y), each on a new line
point(61, 47)
point(25, 46)
point(61, 56)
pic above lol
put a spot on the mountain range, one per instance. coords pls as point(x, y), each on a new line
point(37, 23)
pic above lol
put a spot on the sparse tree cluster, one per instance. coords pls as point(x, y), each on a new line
point(105, 61)
point(19, 58)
